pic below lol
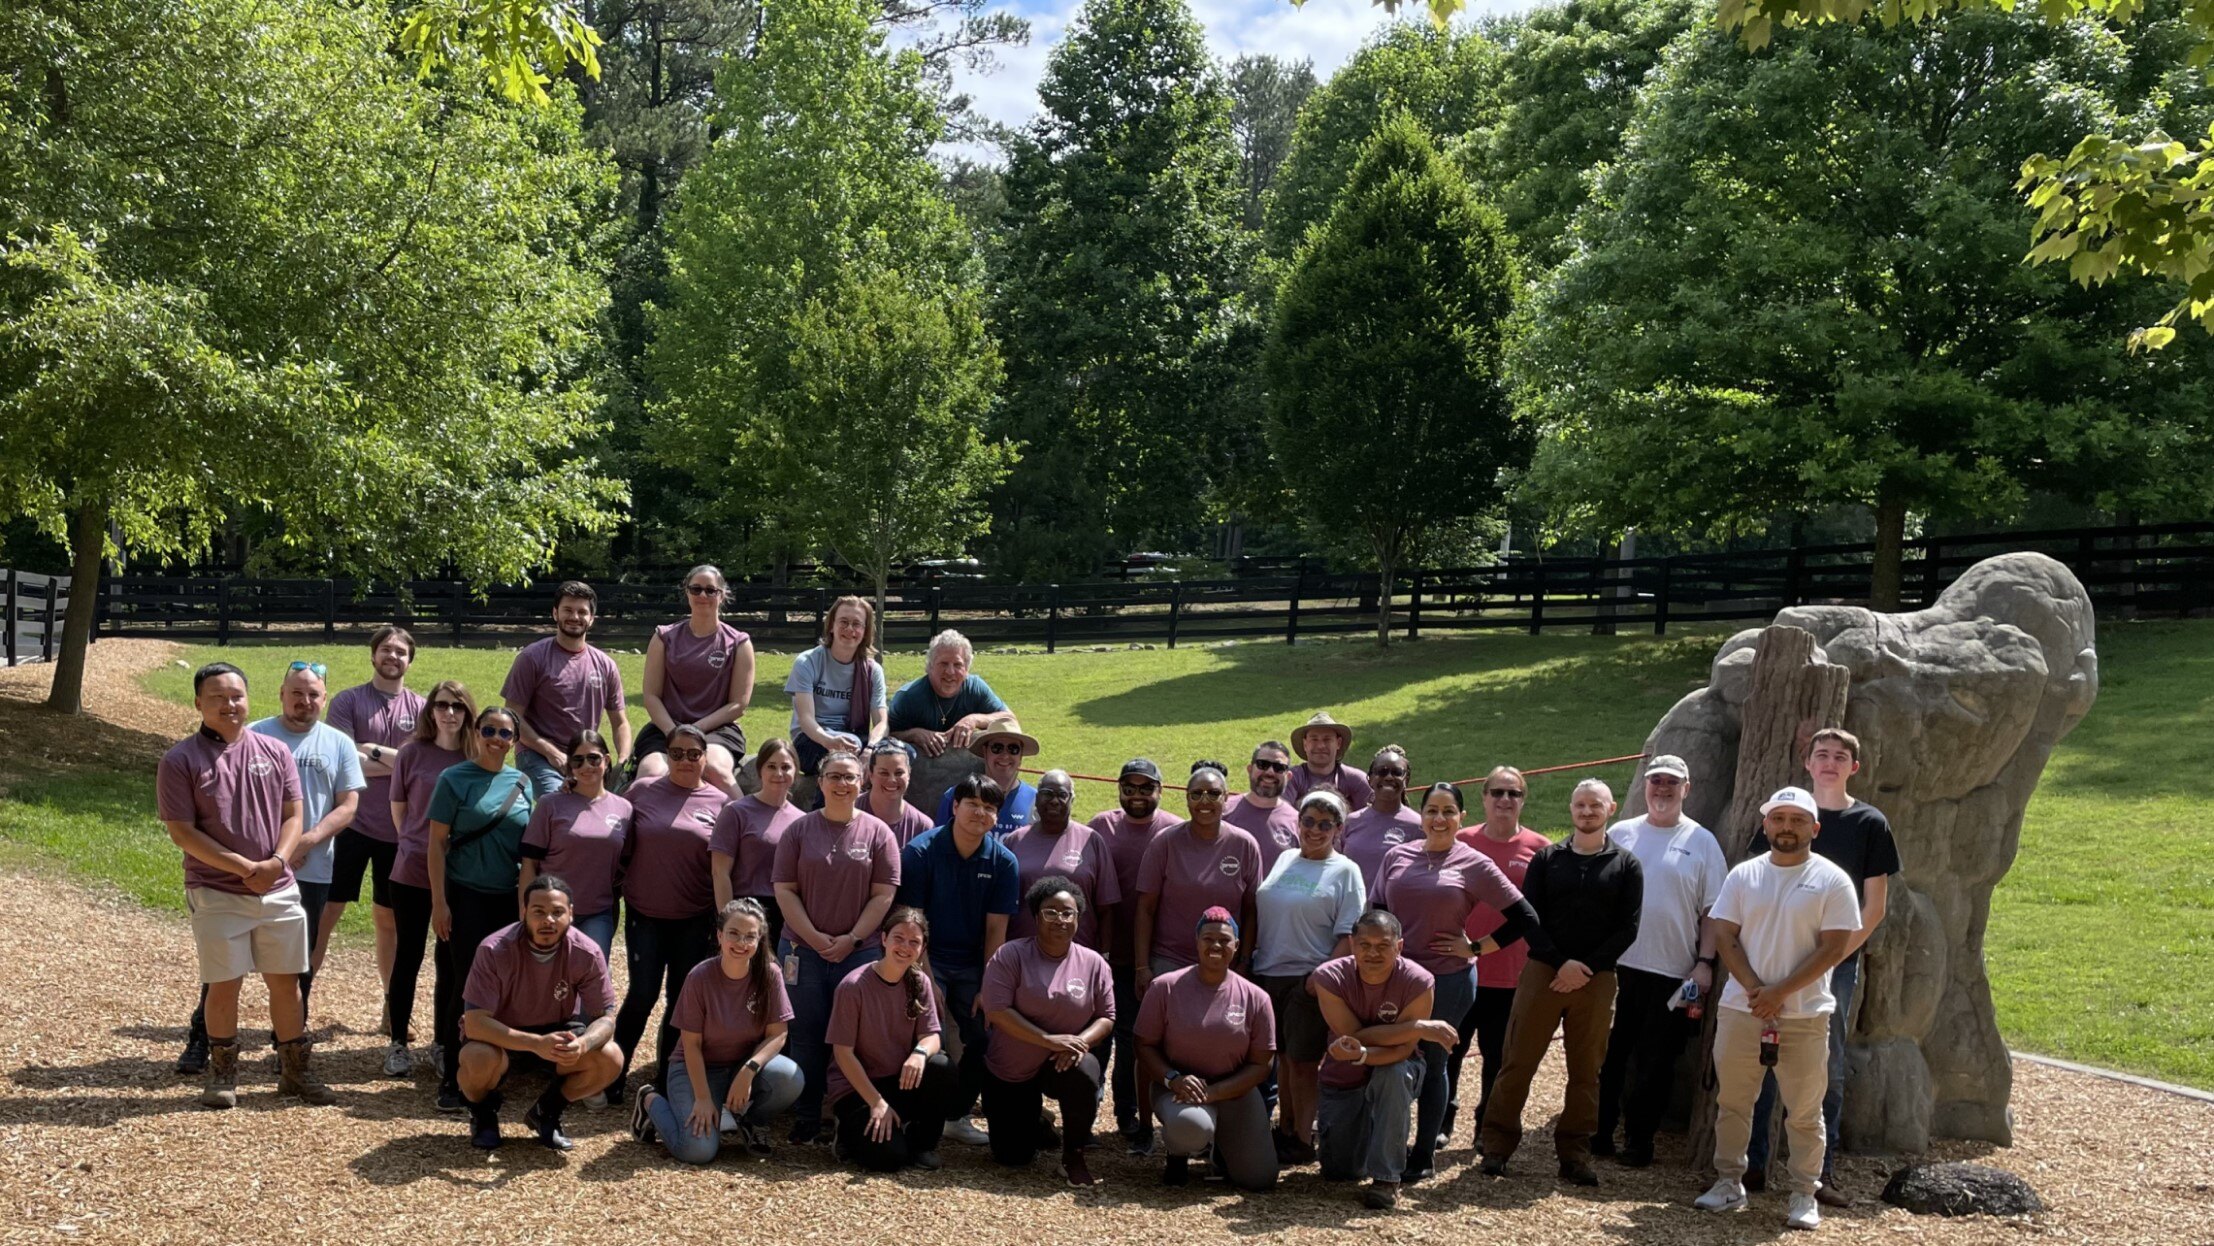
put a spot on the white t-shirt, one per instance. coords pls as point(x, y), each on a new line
point(1684, 869)
point(1781, 912)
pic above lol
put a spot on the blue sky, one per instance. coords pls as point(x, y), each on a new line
point(1325, 31)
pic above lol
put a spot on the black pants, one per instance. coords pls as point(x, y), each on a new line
point(923, 1113)
point(1012, 1108)
point(478, 915)
point(1123, 1044)
point(661, 951)
point(1483, 1026)
point(411, 920)
point(1640, 1072)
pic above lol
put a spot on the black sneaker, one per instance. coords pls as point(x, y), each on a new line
point(1577, 1172)
point(1178, 1171)
point(928, 1161)
point(752, 1139)
point(450, 1100)
point(548, 1129)
point(1141, 1142)
point(1636, 1156)
point(1602, 1145)
point(641, 1119)
point(1493, 1166)
point(616, 1092)
point(193, 1060)
point(1414, 1175)
point(805, 1133)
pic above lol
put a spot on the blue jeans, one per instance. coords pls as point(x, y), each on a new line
point(774, 1089)
point(959, 989)
point(1450, 1001)
point(813, 989)
point(545, 778)
point(1362, 1130)
point(600, 929)
point(1844, 984)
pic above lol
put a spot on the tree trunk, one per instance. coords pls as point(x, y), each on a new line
point(88, 531)
point(1385, 568)
point(1887, 577)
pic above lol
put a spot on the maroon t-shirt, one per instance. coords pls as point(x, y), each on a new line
point(1126, 844)
point(1192, 875)
point(834, 866)
point(695, 670)
point(1350, 783)
point(731, 1015)
point(748, 831)
point(367, 716)
point(1377, 1004)
point(581, 841)
point(1275, 829)
point(1078, 854)
point(1431, 894)
point(235, 794)
point(1503, 968)
point(668, 874)
point(870, 1015)
point(414, 779)
point(1369, 835)
point(1058, 996)
point(560, 693)
point(1209, 1031)
point(906, 821)
point(522, 991)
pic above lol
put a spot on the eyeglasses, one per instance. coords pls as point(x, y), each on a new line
point(741, 936)
point(1273, 767)
point(702, 590)
point(687, 754)
point(841, 778)
point(998, 749)
point(588, 759)
point(496, 733)
point(1505, 793)
point(316, 669)
point(451, 707)
point(1389, 772)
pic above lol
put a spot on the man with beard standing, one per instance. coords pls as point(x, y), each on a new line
point(1127, 829)
point(1321, 743)
point(379, 717)
point(1262, 811)
point(561, 685)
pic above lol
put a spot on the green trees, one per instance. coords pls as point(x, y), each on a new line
point(1386, 362)
point(1266, 94)
point(1119, 304)
point(822, 352)
point(256, 273)
point(1765, 317)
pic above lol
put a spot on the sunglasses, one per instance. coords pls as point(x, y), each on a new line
point(1505, 793)
point(1202, 795)
point(1389, 772)
point(702, 590)
point(451, 707)
point(686, 754)
point(1273, 767)
point(589, 759)
point(1318, 824)
point(496, 733)
point(1000, 749)
point(316, 669)
point(1662, 780)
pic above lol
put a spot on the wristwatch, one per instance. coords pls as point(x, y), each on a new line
point(1711, 962)
point(1170, 1078)
point(920, 1050)
point(753, 1066)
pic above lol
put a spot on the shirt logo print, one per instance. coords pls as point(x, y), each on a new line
point(1387, 1012)
point(1228, 866)
point(1450, 876)
point(1072, 859)
point(703, 817)
point(404, 723)
point(260, 768)
point(1074, 990)
point(592, 680)
point(857, 852)
point(561, 990)
point(716, 659)
point(1236, 1014)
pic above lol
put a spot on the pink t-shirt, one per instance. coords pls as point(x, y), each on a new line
point(1274, 829)
point(414, 779)
point(560, 693)
point(1351, 784)
point(835, 866)
point(748, 831)
point(235, 794)
point(1431, 894)
point(1369, 835)
point(511, 982)
point(1058, 996)
point(871, 1016)
point(1377, 1004)
point(695, 670)
point(1126, 844)
point(906, 822)
point(1192, 875)
point(367, 716)
point(581, 841)
point(1209, 1031)
point(669, 875)
point(731, 1015)
point(1503, 968)
point(1078, 854)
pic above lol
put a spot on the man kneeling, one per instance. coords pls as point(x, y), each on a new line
point(1377, 1005)
point(523, 1015)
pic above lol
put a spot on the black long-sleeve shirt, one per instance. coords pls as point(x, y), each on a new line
point(1587, 905)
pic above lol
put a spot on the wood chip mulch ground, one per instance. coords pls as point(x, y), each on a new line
point(100, 1141)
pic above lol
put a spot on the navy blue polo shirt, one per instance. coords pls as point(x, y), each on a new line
point(957, 893)
point(1014, 811)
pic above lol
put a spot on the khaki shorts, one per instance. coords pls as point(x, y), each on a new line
point(237, 935)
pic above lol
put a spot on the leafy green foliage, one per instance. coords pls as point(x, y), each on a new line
point(1386, 363)
point(517, 44)
point(1266, 94)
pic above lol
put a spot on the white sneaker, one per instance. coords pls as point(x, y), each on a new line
point(1724, 1195)
point(397, 1061)
point(1804, 1213)
point(965, 1131)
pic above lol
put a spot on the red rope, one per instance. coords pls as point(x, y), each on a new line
point(1574, 765)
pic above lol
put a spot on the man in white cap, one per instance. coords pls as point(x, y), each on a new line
point(1683, 868)
point(1321, 743)
point(1783, 921)
point(1002, 744)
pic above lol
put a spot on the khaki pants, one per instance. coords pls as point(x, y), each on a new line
point(1584, 1016)
point(1802, 1077)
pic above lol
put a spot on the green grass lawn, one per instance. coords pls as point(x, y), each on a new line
point(2101, 943)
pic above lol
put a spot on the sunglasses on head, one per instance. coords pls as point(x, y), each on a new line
point(496, 733)
point(1273, 767)
point(316, 669)
point(686, 754)
point(1505, 793)
point(454, 707)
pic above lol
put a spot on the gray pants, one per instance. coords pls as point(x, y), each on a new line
point(1362, 1130)
point(1238, 1130)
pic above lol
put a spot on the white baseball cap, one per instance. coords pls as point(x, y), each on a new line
point(1793, 798)
point(1668, 763)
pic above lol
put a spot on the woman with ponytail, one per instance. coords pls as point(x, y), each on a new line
point(891, 1087)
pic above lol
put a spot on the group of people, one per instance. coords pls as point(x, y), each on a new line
point(1287, 974)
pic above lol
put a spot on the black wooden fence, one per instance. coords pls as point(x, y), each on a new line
point(31, 610)
point(2162, 569)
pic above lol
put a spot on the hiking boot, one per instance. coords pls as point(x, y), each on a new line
point(1802, 1213)
point(1723, 1195)
point(544, 1117)
point(1380, 1196)
point(484, 1121)
point(193, 1060)
point(398, 1061)
point(1637, 1155)
point(219, 1084)
point(1577, 1172)
point(1829, 1195)
point(294, 1076)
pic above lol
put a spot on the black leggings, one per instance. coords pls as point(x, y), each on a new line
point(1012, 1108)
point(411, 922)
point(478, 915)
point(661, 950)
point(1485, 1026)
point(923, 1113)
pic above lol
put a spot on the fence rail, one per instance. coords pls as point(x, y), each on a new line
point(2139, 569)
point(31, 610)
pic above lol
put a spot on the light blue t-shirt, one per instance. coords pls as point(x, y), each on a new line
point(1303, 908)
point(830, 682)
point(328, 765)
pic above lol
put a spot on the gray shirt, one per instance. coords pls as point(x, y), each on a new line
point(328, 765)
point(830, 682)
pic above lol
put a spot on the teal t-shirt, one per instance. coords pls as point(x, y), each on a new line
point(467, 798)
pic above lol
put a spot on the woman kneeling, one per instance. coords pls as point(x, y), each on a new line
point(1206, 1038)
point(730, 1017)
point(1052, 1001)
point(890, 1087)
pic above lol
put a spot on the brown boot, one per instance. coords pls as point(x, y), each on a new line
point(219, 1083)
point(294, 1077)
